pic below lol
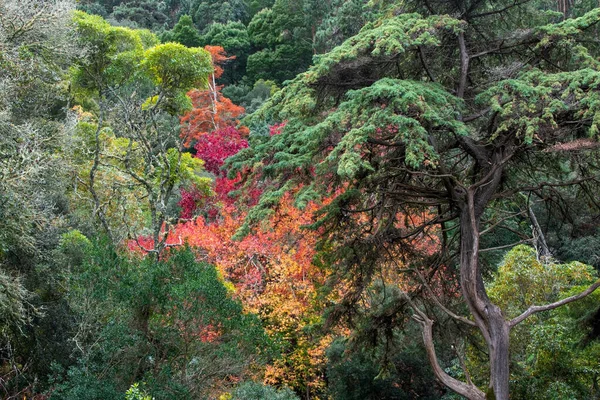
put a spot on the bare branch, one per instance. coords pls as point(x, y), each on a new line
point(505, 246)
point(464, 66)
point(468, 390)
point(536, 309)
point(439, 303)
point(501, 10)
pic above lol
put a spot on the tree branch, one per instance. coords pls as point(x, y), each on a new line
point(471, 392)
point(486, 14)
point(536, 309)
point(464, 66)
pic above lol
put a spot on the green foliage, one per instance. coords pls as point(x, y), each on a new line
point(114, 56)
point(232, 36)
point(346, 21)
point(209, 11)
point(168, 323)
point(411, 107)
point(36, 47)
point(389, 37)
point(356, 374)
point(173, 67)
point(533, 100)
point(150, 14)
point(255, 6)
point(260, 29)
point(135, 393)
point(280, 64)
point(522, 280)
point(285, 36)
point(256, 391)
point(553, 354)
point(183, 32)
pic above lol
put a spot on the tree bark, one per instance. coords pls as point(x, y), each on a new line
point(488, 316)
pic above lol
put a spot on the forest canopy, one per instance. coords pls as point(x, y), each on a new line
point(276, 199)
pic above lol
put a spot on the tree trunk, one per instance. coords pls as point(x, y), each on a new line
point(487, 316)
point(499, 354)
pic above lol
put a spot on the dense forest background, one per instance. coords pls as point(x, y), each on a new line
point(274, 199)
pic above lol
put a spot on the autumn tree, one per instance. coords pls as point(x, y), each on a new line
point(211, 110)
point(440, 111)
point(272, 270)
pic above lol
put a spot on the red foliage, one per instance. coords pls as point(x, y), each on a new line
point(211, 110)
point(281, 250)
point(190, 199)
point(216, 146)
point(277, 129)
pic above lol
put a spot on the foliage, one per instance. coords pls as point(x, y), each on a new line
point(36, 47)
point(274, 277)
point(255, 391)
point(149, 14)
point(134, 393)
point(183, 32)
point(386, 125)
point(233, 38)
point(209, 11)
point(554, 354)
point(165, 323)
point(15, 308)
point(136, 145)
point(381, 185)
point(211, 110)
point(213, 148)
point(356, 375)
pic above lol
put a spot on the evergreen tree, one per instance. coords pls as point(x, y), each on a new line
point(446, 119)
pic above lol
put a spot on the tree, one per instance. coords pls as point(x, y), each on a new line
point(554, 353)
point(443, 118)
point(149, 14)
point(205, 12)
point(211, 110)
point(233, 38)
point(183, 32)
point(273, 275)
point(284, 49)
point(36, 48)
point(197, 340)
point(136, 90)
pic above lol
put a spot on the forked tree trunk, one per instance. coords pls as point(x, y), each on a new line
point(487, 316)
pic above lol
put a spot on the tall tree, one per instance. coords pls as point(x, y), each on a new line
point(446, 118)
point(136, 89)
point(36, 49)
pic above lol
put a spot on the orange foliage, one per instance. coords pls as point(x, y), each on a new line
point(219, 57)
point(273, 275)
